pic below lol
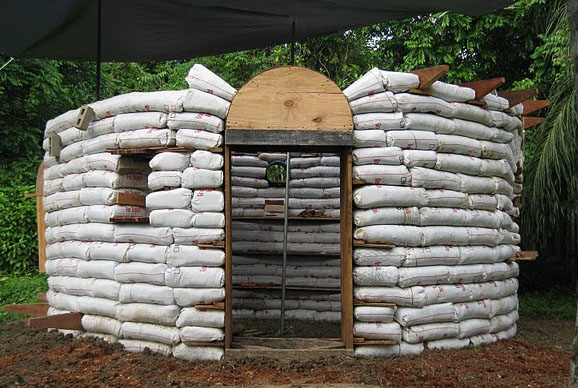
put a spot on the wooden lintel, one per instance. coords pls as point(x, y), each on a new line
point(525, 256)
point(532, 106)
point(33, 309)
point(484, 86)
point(68, 321)
point(216, 244)
point(532, 121)
point(130, 199)
point(430, 75)
point(364, 244)
point(217, 344)
point(289, 138)
point(516, 97)
point(42, 296)
point(213, 306)
point(358, 182)
point(274, 208)
point(357, 302)
point(129, 220)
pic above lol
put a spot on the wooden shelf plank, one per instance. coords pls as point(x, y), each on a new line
point(357, 302)
point(213, 306)
point(275, 218)
point(484, 86)
point(69, 321)
point(363, 244)
point(33, 309)
point(216, 244)
point(362, 341)
point(129, 220)
point(289, 288)
point(430, 75)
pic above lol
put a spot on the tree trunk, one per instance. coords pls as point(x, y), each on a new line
point(573, 22)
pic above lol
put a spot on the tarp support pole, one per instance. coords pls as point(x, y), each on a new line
point(285, 230)
point(98, 46)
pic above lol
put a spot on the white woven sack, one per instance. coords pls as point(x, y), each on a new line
point(208, 201)
point(459, 164)
point(101, 127)
point(146, 253)
point(449, 293)
point(482, 202)
point(61, 122)
point(62, 200)
point(248, 160)
point(70, 249)
point(370, 82)
point(472, 113)
point(144, 234)
point(204, 318)
point(387, 216)
point(400, 235)
point(378, 102)
point(161, 179)
point(409, 103)
point(100, 269)
point(503, 120)
point(381, 121)
point(416, 140)
point(72, 135)
point(399, 82)
point(147, 138)
point(196, 121)
point(484, 236)
point(196, 178)
point(207, 160)
point(99, 324)
point(411, 297)
point(446, 198)
point(452, 144)
point(198, 101)
point(72, 151)
point(140, 273)
point(62, 301)
point(175, 161)
point(95, 232)
point(433, 255)
point(194, 236)
point(452, 93)
point(377, 351)
point(475, 309)
point(62, 267)
point(428, 122)
point(503, 305)
point(198, 353)
point(372, 196)
point(494, 102)
point(382, 174)
point(482, 339)
point(419, 158)
point(369, 138)
point(249, 182)
point(492, 150)
point(104, 213)
point(471, 327)
point(195, 277)
point(442, 216)
point(108, 251)
point(148, 313)
point(149, 332)
point(433, 179)
point(385, 155)
point(448, 343)
point(73, 215)
point(467, 273)
point(430, 331)
point(506, 334)
point(182, 218)
point(114, 180)
point(66, 287)
point(97, 306)
point(169, 199)
point(477, 184)
point(409, 316)
point(418, 276)
point(105, 288)
point(503, 322)
point(314, 182)
point(477, 255)
point(201, 78)
point(138, 346)
point(473, 130)
point(209, 220)
point(102, 195)
point(109, 162)
point(146, 293)
point(374, 314)
point(376, 330)
point(141, 120)
point(445, 235)
point(198, 139)
point(386, 257)
point(187, 297)
point(52, 186)
point(195, 334)
point(375, 276)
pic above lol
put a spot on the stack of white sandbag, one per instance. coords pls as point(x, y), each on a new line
point(439, 176)
point(138, 283)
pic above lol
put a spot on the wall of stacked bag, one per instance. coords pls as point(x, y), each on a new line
point(437, 179)
point(137, 284)
point(313, 274)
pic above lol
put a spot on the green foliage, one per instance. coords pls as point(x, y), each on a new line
point(19, 289)
point(550, 304)
point(18, 237)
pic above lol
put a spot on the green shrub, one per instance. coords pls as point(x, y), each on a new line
point(20, 289)
point(549, 304)
point(18, 235)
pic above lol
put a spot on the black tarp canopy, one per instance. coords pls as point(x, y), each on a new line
point(146, 30)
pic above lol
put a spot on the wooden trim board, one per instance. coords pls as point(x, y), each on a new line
point(346, 242)
point(289, 138)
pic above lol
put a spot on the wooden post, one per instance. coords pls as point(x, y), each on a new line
point(228, 253)
point(40, 223)
point(430, 75)
point(516, 97)
point(346, 249)
point(533, 106)
point(484, 86)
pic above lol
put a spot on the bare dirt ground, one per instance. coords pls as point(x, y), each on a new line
point(538, 357)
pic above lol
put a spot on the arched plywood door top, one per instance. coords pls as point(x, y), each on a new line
point(290, 98)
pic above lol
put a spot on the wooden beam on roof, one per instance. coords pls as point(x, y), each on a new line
point(516, 97)
point(33, 309)
point(68, 321)
point(430, 75)
point(532, 121)
point(484, 86)
point(533, 106)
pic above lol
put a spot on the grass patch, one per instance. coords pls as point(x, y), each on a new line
point(19, 289)
point(550, 304)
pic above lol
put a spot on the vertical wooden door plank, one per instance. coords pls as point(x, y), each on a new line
point(228, 253)
point(40, 223)
point(346, 249)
